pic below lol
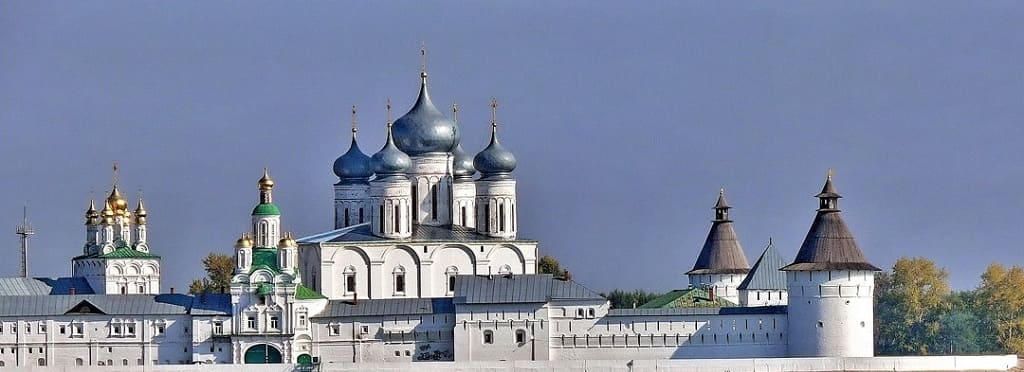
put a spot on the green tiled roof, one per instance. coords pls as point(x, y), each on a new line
point(686, 298)
point(127, 253)
point(266, 209)
point(265, 289)
point(264, 258)
point(305, 293)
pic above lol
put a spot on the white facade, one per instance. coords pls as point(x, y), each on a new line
point(832, 313)
point(722, 285)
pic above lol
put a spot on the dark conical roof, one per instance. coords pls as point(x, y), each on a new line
point(765, 274)
point(722, 252)
point(829, 245)
point(721, 203)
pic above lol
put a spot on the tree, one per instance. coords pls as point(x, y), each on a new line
point(629, 299)
point(549, 265)
point(1001, 299)
point(219, 269)
point(910, 304)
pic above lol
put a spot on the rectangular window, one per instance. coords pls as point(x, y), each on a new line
point(487, 217)
point(302, 320)
point(350, 283)
point(250, 322)
point(130, 329)
point(218, 328)
point(488, 337)
point(415, 202)
point(63, 330)
point(400, 283)
point(335, 329)
point(346, 217)
point(42, 327)
point(451, 283)
point(360, 214)
point(273, 322)
point(380, 217)
point(160, 329)
point(77, 330)
point(398, 219)
point(433, 202)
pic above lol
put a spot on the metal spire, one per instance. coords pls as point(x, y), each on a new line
point(354, 122)
point(24, 230)
point(494, 115)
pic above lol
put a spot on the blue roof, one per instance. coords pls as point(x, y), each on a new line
point(43, 286)
point(387, 306)
point(766, 273)
point(760, 310)
point(533, 288)
point(164, 304)
point(420, 233)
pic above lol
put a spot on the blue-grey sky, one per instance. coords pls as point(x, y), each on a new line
point(626, 119)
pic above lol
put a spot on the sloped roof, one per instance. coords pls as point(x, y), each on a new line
point(532, 288)
point(700, 311)
point(43, 286)
point(211, 304)
point(686, 298)
point(165, 304)
point(387, 306)
point(126, 252)
point(766, 274)
point(420, 233)
point(829, 245)
point(722, 253)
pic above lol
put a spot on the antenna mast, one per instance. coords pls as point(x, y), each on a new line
point(24, 230)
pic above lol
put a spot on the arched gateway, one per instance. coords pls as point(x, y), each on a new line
point(262, 354)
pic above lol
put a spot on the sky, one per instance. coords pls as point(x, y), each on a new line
point(626, 119)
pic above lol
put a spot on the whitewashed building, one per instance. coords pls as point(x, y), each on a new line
point(425, 263)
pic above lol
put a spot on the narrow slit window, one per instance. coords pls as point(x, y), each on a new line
point(433, 202)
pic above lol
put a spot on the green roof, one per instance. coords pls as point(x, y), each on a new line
point(125, 252)
point(264, 258)
point(266, 209)
point(305, 293)
point(686, 298)
point(265, 289)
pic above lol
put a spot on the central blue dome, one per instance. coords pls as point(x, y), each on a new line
point(424, 129)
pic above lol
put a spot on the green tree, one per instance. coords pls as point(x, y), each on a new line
point(910, 304)
point(1001, 299)
point(219, 269)
point(549, 265)
point(629, 299)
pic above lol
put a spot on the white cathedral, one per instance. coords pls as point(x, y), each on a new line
point(425, 264)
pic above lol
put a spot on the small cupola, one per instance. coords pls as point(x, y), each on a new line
point(494, 162)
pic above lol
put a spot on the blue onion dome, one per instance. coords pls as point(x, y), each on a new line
point(424, 129)
point(494, 162)
point(354, 166)
point(390, 161)
point(462, 167)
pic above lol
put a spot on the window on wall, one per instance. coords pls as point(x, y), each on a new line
point(218, 327)
point(520, 336)
point(250, 322)
point(488, 337)
point(79, 361)
point(451, 273)
point(398, 219)
point(399, 274)
point(433, 202)
point(505, 270)
point(463, 220)
point(487, 217)
point(350, 280)
point(334, 329)
point(274, 322)
point(501, 217)
point(380, 217)
point(142, 289)
point(346, 217)
point(415, 201)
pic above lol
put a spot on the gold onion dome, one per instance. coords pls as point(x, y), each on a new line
point(140, 213)
point(288, 241)
point(266, 183)
point(243, 242)
point(117, 202)
point(91, 215)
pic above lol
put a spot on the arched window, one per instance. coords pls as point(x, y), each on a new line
point(590, 313)
point(501, 217)
point(380, 217)
point(79, 361)
point(124, 289)
point(398, 219)
point(124, 362)
point(142, 289)
point(415, 201)
point(263, 242)
point(451, 273)
point(433, 202)
point(520, 336)
point(41, 361)
point(488, 337)
point(399, 274)
point(349, 275)
point(487, 217)
point(579, 313)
